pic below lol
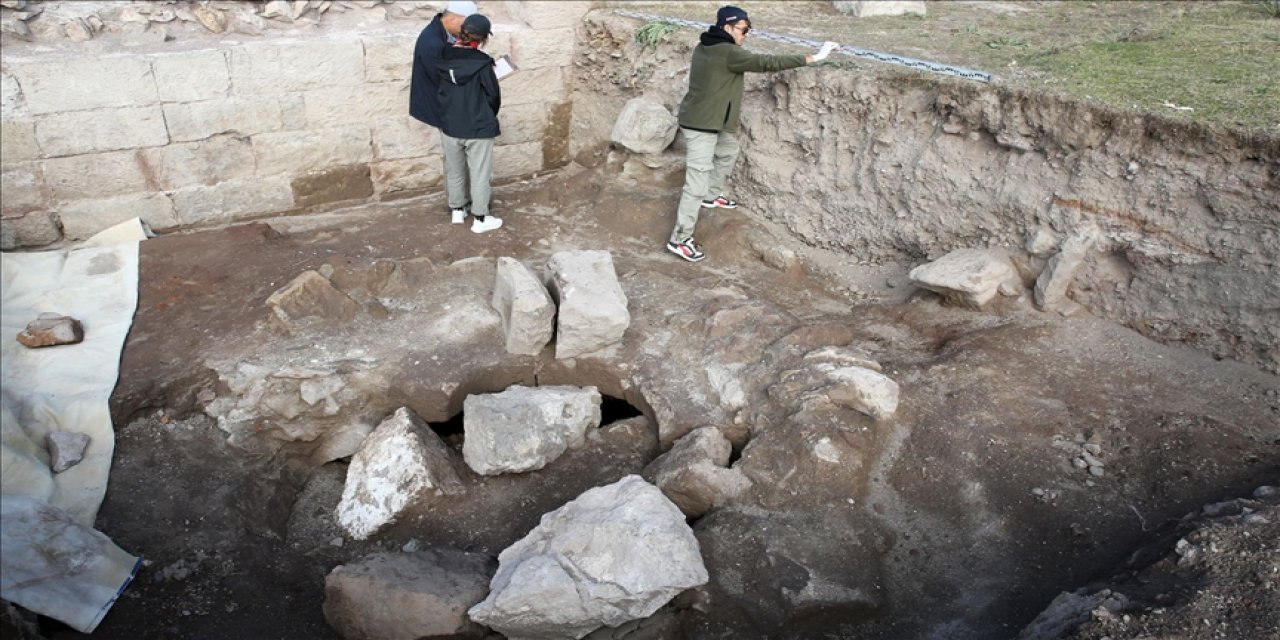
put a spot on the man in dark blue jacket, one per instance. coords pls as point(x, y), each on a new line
point(440, 33)
point(469, 102)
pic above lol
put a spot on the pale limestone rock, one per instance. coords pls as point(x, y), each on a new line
point(1053, 283)
point(83, 218)
point(526, 428)
point(644, 127)
point(407, 138)
point(870, 392)
point(1041, 242)
point(51, 329)
point(401, 464)
point(537, 48)
point(548, 15)
point(65, 134)
point(693, 475)
point(275, 67)
point(246, 116)
point(34, 229)
point(592, 307)
point(293, 152)
point(312, 295)
point(843, 357)
point(404, 596)
point(75, 84)
point(614, 554)
point(66, 449)
point(190, 76)
point(516, 160)
point(871, 8)
point(187, 164)
point(388, 59)
point(95, 175)
point(528, 314)
point(968, 277)
point(18, 139)
point(522, 123)
point(22, 187)
point(210, 18)
point(231, 199)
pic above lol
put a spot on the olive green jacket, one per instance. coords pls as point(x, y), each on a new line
point(714, 100)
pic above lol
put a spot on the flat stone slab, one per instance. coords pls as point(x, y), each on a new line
point(593, 309)
point(968, 277)
point(526, 428)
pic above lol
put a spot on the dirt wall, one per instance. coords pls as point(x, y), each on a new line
point(887, 166)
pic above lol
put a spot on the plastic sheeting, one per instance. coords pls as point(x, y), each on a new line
point(53, 562)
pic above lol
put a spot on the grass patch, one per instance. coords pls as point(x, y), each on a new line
point(1219, 58)
point(655, 32)
point(1222, 64)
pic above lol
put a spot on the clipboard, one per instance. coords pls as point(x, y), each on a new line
point(504, 67)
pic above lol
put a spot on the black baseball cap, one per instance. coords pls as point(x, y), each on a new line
point(477, 25)
point(729, 15)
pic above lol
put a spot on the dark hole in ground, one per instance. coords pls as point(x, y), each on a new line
point(450, 430)
point(615, 410)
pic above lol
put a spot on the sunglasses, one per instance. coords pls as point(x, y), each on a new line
point(743, 30)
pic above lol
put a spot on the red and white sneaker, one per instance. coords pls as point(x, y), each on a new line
point(686, 249)
point(721, 202)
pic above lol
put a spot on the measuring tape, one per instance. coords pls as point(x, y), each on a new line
point(945, 69)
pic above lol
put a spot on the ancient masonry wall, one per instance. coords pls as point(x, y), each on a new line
point(891, 167)
point(203, 129)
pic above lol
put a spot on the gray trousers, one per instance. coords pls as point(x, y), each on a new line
point(709, 157)
point(468, 170)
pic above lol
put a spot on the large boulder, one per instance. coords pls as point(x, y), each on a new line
point(403, 596)
point(644, 127)
point(593, 309)
point(528, 313)
point(401, 464)
point(614, 554)
point(526, 428)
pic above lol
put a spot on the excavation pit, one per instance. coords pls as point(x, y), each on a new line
point(1033, 451)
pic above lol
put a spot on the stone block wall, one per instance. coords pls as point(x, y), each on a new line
point(233, 128)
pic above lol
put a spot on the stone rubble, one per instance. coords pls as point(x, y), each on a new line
point(401, 464)
point(66, 449)
point(614, 554)
point(51, 329)
point(693, 474)
point(526, 428)
point(403, 596)
point(311, 295)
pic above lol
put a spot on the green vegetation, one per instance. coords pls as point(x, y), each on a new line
point(1221, 59)
point(654, 33)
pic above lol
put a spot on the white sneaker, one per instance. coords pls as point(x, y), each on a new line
point(490, 223)
point(459, 215)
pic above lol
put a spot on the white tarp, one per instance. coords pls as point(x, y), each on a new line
point(62, 388)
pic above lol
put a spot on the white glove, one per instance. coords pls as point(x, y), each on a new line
point(825, 51)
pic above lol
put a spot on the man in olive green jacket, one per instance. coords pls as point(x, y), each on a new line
point(709, 118)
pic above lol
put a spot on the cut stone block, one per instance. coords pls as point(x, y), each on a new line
point(528, 314)
point(526, 428)
point(592, 307)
